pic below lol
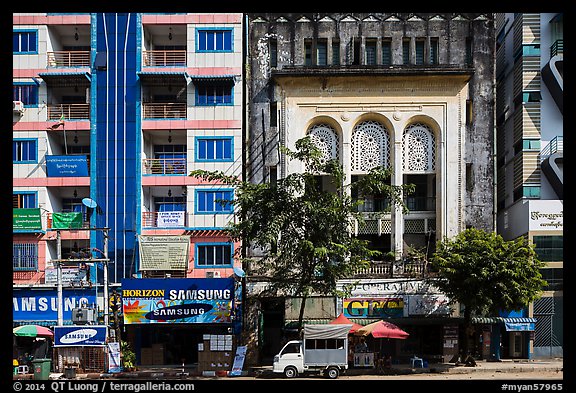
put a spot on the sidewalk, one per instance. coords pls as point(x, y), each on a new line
point(159, 372)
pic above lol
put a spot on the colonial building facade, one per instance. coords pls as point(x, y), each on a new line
point(412, 92)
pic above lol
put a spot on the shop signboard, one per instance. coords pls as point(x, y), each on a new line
point(80, 336)
point(67, 166)
point(70, 220)
point(70, 276)
point(428, 305)
point(26, 219)
point(42, 305)
point(170, 219)
point(164, 252)
point(376, 307)
point(178, 300)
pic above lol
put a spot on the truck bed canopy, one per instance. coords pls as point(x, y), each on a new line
point(326, 331)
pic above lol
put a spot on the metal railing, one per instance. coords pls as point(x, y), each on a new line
point(554, 146)
point(557, 47)
point(164, 166)
point(70, 111)
point(388, 269)
point(383, 204)
point(69, 59)
point(160, 58)
point(171, 110)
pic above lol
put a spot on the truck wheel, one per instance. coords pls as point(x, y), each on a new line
point(332, 372)
point(290, 372)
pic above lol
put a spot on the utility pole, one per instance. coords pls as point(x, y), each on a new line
point(59, 278)
point(106, 301)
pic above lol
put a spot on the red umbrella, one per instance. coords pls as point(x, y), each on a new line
point(32, 331)
point(342, 320)
point(382, 329)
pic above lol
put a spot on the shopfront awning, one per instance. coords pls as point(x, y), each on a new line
point(511, 324)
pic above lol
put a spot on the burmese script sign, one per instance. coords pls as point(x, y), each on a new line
point(164, 252)
point(547, 218)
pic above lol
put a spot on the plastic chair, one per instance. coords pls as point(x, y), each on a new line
point(416, 361)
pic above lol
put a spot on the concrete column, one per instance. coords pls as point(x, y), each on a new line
point(396, 213)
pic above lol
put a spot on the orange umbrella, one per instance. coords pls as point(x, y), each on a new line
point(382, 329)
point(342, 320)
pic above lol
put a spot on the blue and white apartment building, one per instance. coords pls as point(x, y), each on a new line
point(111, 112)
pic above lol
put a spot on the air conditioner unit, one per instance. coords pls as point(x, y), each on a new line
point(84, 316)
point(18, 106)
point(212, 274)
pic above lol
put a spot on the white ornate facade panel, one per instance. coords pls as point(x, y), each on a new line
point(324, 138)
point(370, 146)
point(418, 149)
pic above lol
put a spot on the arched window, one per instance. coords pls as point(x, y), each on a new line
point(370, 146)
point(418, 149)
point(324, 137)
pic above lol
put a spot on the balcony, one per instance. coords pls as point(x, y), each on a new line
point(170, 110)
point(70, 111)
point(164, 166)
point(69, 59)
point(164, 58)
point(552, 164)
point(557, 48)
point(389, 269)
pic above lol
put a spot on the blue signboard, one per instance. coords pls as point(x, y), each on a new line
point(80, 336)
point(67, 166)
point(42, 305)
point(177, 300)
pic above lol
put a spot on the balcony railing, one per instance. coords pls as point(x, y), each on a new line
point(161, 58)
point(557, 48)
point(171, 110)
point(372, 205)
point(388, 269)
point(554, 146)
point(164, 166)
point(69, 59)
point(70, 111)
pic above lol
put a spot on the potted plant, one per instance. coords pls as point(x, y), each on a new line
point(128, 356)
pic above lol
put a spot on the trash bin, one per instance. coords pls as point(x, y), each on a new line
point(41, 368)
point(69, 373)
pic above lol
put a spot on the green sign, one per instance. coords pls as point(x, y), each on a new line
point(26, 219)
point(66, 220)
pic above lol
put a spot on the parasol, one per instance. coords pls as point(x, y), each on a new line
point(343, 320)
point(382, 329)
point(32, 331)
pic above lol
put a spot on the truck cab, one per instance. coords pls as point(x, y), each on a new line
point(290, 359)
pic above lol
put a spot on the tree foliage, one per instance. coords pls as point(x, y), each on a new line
point(486, 273)
point(302, 232)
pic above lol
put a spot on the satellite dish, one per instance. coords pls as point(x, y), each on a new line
point(91, 203)
point(239, 272)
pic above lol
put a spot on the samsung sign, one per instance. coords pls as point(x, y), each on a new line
point(75, 336)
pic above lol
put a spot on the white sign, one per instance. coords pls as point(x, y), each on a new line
point(73, 275)
point(114, 365)
point(549, 216)
point(238, 361)
point(170, 219)
point(380, 287)
point(164, 252)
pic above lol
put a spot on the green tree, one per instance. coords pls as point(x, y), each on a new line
point(486, 274)
point(302, 232)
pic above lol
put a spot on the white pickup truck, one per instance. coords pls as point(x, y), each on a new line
point(323, 349)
